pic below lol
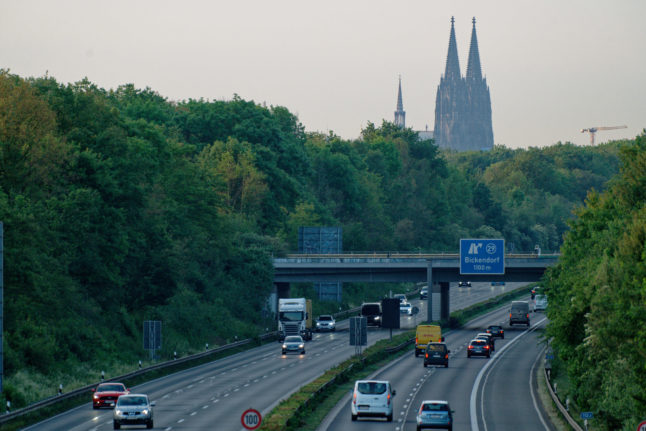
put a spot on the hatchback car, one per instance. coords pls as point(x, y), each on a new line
point(106, 394)
point(464, 284)
point(435, 414)
point(540, 303)
point(325, 322)
point(133, 409)
point(487, 336)
point(436, 354)
point(294, 343)
point(372, 398)
point(496, 331)
point(478, 347)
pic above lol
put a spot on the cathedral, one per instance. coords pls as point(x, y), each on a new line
point(462, 104)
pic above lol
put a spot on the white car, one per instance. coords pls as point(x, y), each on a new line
point(406, 308)
point(325, 322)
point(133, 409)
point(372, 398)
point(540, 303)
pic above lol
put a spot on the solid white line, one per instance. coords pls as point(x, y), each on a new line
point(476, 384)
point(531, 391)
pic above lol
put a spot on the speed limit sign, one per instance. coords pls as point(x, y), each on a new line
point(251, 419)
point(641, 426)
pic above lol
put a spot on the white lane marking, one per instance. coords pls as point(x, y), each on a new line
point(205, 407)
point(180, 421)
point(476, 384)
point(215, 401)
point(531, 391)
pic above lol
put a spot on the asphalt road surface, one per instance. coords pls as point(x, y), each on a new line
point(214, 395)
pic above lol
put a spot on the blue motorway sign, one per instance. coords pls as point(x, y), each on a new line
point(482, 256)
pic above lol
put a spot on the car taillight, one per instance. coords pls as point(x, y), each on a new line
point(354, 398)
point(488, 331)
point(502, 332)
point(486, 347)
point(446, 356)
point(509, 314)
point(415, 340)
point(528, 315)
point(470, 346)
point(388, 399)
point(426, 355)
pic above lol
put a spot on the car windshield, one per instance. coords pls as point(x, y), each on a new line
point(293, 339)
point(435, 407)
point(370, 309)
point(291, 316)
point(111, 388)
point(132, 401)
point(436, 347)
point(371, 388)
point(325, 318)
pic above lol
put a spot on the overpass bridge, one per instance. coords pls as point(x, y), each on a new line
point(437, 270)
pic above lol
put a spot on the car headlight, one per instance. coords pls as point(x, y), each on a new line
point(318, 324)
point(144, 412)
point(300, 346)
point(95, 396)
point(377, 318)
point(118, 412)
point(284, 346)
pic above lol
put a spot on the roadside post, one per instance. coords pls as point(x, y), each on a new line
point(585, 416)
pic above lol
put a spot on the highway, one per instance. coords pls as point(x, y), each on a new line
point(492, 394)
point(214, 395)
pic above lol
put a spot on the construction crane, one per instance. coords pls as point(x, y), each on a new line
point(593, 130)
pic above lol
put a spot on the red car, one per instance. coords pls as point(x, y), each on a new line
point(106, 394)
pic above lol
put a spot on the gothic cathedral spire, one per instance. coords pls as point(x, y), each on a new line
point(463, 105)
point(400, 114)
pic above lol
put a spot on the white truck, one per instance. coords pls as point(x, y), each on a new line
point(294, 318)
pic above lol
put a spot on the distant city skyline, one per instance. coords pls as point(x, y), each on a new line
point(553, 67)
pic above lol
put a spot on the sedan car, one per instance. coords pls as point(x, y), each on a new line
point(434, 414)
point(133, 409)
point(464, 284)
point(325, 322)
point(406, 308)
point(488, 337)
point(496, 331)
point(106, 394)
point(294, 343)
point(478, 348)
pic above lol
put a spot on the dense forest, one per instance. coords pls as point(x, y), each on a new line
point(598, 298)
point(121, 206)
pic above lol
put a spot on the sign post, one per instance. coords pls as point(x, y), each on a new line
point(251, 419)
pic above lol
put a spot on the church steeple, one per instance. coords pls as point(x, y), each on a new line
point(473, 65)
point(452, 62)
point(400, 114)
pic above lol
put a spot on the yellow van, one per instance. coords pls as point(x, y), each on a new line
point(426, 334)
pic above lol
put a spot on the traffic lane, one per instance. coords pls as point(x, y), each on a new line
point(512, 377)
point(408, 376)
point(229, 373)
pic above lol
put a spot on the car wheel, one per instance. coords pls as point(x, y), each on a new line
point(303, 352)
point(451, 428)
point(95, 407)
point(503, 337)
point(416, 353)
point(389, 418)
point(116, 425)
point(284, 352)
point(488, 355)
point(468, 355)
point(354, 417)
point(149, 425)
point(446, 365)
point(425, 365)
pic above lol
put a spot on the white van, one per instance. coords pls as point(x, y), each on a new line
point(540, 303)
point(372, 398)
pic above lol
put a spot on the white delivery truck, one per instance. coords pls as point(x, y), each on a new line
point(294, 318)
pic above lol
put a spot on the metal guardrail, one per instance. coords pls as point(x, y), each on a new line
point(160, 366)
point(557, 401)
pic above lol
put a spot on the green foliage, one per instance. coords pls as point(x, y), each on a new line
point(121, 206)
point(598, 297)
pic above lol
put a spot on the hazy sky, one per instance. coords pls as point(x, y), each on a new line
point(553, 66)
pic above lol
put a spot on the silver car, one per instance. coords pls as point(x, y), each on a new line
point(133, 409)
point(325, 322)
point(294, 343)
